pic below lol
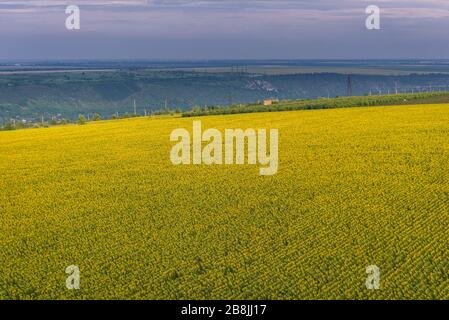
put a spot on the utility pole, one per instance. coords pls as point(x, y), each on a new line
point(349, 86)
point(230, 98)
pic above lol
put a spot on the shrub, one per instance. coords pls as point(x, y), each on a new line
point(81, 119)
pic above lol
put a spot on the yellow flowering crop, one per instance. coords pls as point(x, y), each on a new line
point(355, 187)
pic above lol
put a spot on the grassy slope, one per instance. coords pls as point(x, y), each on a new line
point(332, 103)
point(69, 94)
point(356, 187)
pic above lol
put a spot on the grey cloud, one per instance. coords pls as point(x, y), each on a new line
point(224, 28)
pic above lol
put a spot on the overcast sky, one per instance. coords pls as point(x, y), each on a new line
point(224, 29)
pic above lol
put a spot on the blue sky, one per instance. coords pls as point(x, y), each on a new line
point(224, 29)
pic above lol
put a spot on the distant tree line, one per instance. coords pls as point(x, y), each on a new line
point(14, 124)
point(323, 103)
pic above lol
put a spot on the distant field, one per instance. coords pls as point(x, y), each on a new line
point(269, 67)
point(355, 187)
point(287, 70)
point(49, 71)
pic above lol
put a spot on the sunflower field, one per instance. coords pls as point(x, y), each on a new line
point(355, 187)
